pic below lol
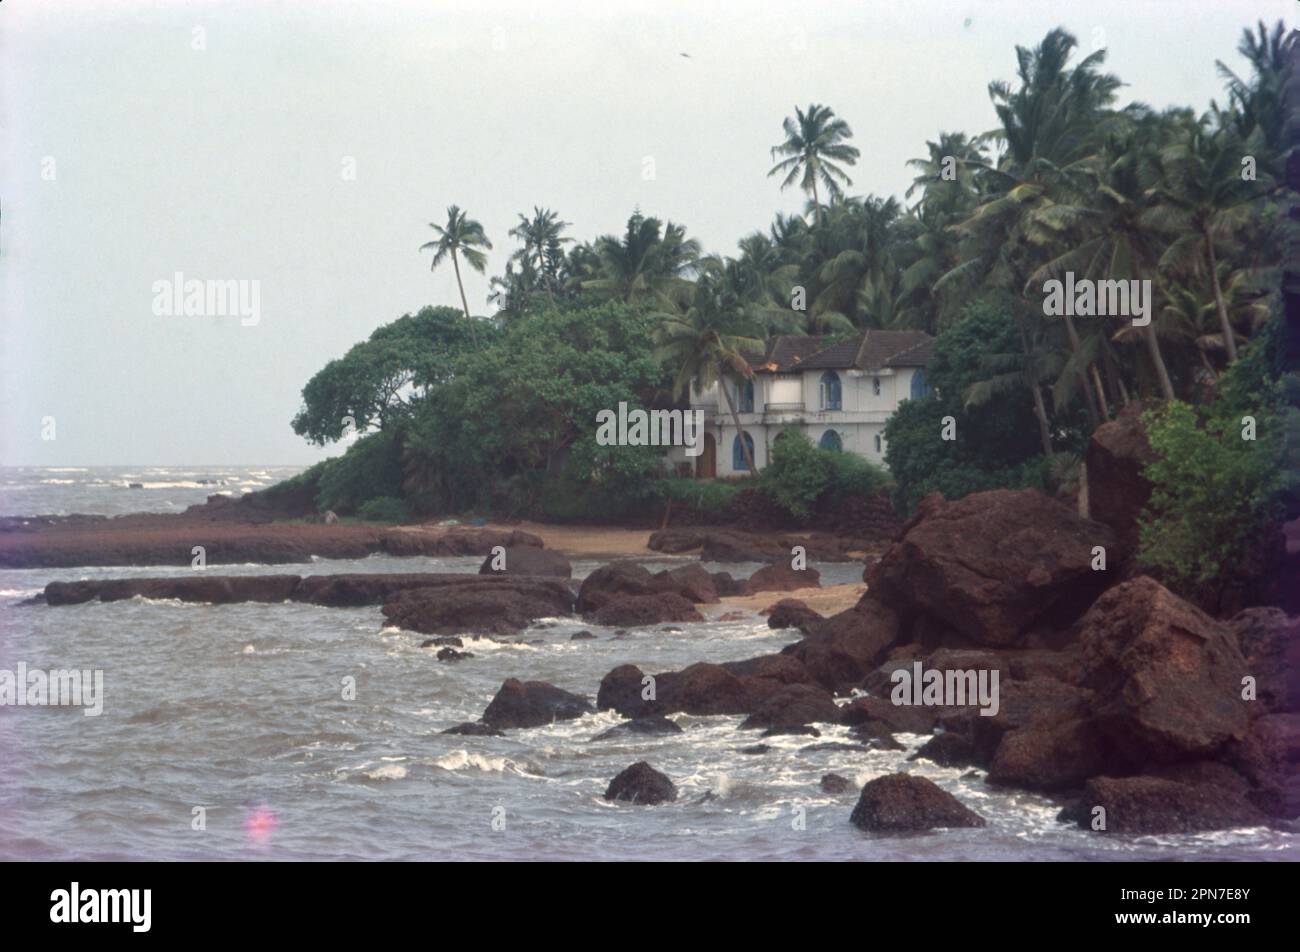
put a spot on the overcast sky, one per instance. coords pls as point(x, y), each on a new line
point(129, 154)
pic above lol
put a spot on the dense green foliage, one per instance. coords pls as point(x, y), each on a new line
point(1220, 477)
point(801, 473)
point(460, 413)
point(995, 442)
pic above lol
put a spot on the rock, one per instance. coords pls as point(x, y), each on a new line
point(582, 636)
point(904, 718)
point(725, 585)
point(1047, 756)
point(451, 654)
point(473, 729)
point(733, 546)
point(948, 749)
point(622, 689)
point(993, 564)
point(1270, 643)
point(1116, 454)
point(675, 541)
point(802, 730)
point(791, 613)
point(200, 587)
point(1269, 756)
point(692, 582)
point(843, 649)
point(756, 749)
point(488, 606)
point(449, 641)
point(794, 705)
point(1153, 805)
point(731, 616)
point(641, 784)
point(1167, 677)
point(527, 560)
point(533, 704)
point(835, 784)
point(1021, 704)
point(614, 580)
point(779, 577)
point(653, 725)
point(640, 610)
point(902, 802)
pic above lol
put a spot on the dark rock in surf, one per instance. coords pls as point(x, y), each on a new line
point(641, 784)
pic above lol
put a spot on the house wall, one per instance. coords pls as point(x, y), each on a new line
point(795, 400)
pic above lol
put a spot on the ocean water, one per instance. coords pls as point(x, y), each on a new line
point(239, 710)
point(109, 490)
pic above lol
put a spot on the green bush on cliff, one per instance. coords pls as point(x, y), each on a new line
point(369, 469)
point(1218, 480)
point(384, 509)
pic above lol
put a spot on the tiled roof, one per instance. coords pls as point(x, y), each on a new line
point(869, 350)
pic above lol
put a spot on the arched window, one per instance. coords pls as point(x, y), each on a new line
point(745, 396)
point(738, 461)
point(880, 444)
point(831, 399)
point(919, 387)
point(831, 441)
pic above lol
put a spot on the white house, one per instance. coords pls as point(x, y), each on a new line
point(839, 394)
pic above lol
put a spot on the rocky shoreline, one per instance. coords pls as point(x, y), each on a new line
point(1135, 710)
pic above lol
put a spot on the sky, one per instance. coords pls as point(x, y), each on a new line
point(303, 149)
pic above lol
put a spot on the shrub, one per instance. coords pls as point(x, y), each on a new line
point(384, 509)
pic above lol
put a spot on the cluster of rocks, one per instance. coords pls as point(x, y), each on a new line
point(1116, 697)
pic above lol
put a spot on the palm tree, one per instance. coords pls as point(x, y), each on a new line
point(542, 240)
point(460, 236)
point(814, 142)
point(707, 344)
point(648, 261)
point(1208, 205)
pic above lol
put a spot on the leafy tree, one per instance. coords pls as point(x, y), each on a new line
point(381, 379)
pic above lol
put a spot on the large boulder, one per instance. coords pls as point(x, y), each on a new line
point(1269, 757)
point(692, 582)
point(527, 560)
point(533, 704)
point(737, 687)
point(793, 706)
point(614, 580)
point(628, 611)
point(641, 784)
point(899, 803)
point(1050, 756)
point(840, 651)
point(732, 546)
point(1156, 805)
point(791, 613)
point(625, 689)
point(1270, 642)
point(491, 607)
point(780, 577)
point(992, 565)
point(1116, 454)
point(1167, 677)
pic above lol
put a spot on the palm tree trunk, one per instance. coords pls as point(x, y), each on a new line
point(740, 434)
point(817, 204)
point(1162, 373)
point(455, 263)
point(1100, 391)
point(1080, 374)
point(1040, 411)
point(1228, 340)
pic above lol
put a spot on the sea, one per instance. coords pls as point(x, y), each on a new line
point(299, 732)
